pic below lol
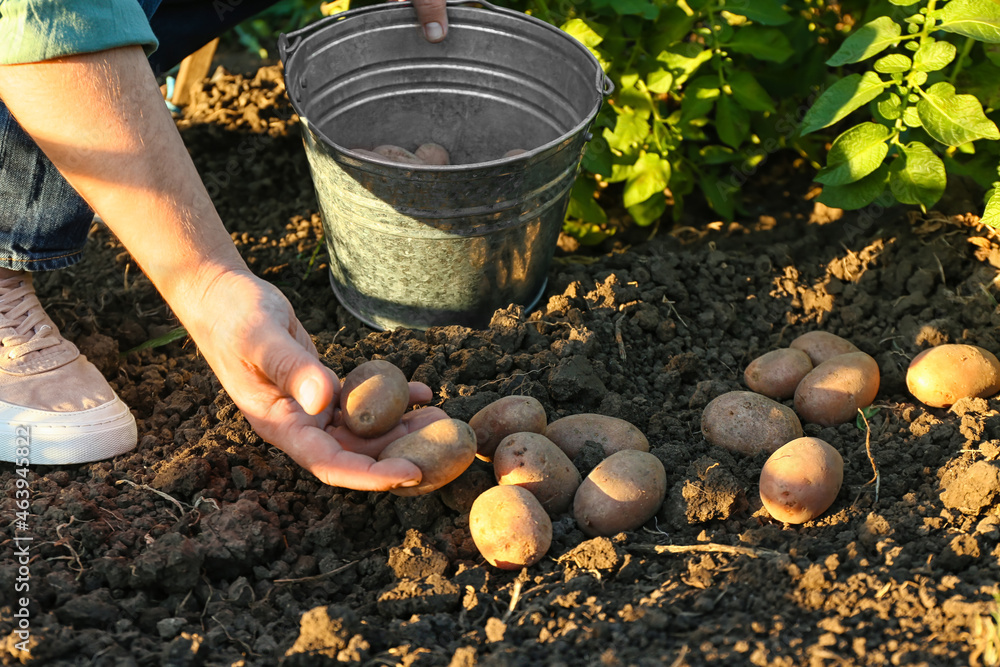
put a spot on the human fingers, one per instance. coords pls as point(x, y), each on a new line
point(434, 19)
point(293, 368)
point(411, 422)
point(318, 452)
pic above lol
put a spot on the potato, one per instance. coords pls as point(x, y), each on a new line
point(367, 153)
point(374, 397)
point(442, 450)
point(612, 434)
point(941, 375)
point(532, 461)
point(623, 492)
point(510, 414)
point(397, 154)
point(749, 423)
point(822, 346)
point(433, 154)
point(509, 527)
point(777, 373)
point(514, 152)
point(801, 480)
point(833, 391)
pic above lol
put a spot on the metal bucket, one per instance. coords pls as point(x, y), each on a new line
point(422, 246)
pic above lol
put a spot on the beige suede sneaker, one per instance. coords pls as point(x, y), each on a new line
point(55, 406)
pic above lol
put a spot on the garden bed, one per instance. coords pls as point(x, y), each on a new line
point(207, 546)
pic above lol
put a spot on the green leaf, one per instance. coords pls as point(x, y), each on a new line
point(857, 194)
point(904, 3)
point(978, 19)
point(633, 93)
point(641, 7)
point(721, 195)
point(934, 56)
point(715, 154)
point(761, 43)
point(749, 92)
point(917, 176)
point(894, 62)
point(954, 119)
point(597, 157)
point(991, 216)
point(911, 118)
point(842, 98)
point(732, 121)
point(630, 130)
point(891, 107)
point(871, 38)
point(650, 175)
point(684, 60)
point(768, 12)
point(854, 154)
point(588, 33)
point(582, 204)
point(659, 81)
point(649, 211)
point(699, 98)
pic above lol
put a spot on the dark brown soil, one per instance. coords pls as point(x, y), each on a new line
point(207, 546)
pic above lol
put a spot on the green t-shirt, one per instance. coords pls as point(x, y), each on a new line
point(36, 30)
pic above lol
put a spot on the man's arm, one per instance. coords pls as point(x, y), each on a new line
point(101, 119)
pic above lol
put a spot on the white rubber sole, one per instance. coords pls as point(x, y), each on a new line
point(41, 437)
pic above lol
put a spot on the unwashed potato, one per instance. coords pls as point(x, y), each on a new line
point(533, 462)
point(514, 152)
point(442, 450)
point(374, 397)
point(613, 435)
point(941, 375)
point(623, 492)
point(749, 423)
point(433, 154)
point(833, 392)
point(777, 373)
point(822, 346)
point(801, 480)
point(509, 527)
point(397, 154)
point(460, 493)
point(510, 414)
point(366, 152)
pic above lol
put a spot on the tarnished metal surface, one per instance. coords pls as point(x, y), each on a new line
point(420, 246)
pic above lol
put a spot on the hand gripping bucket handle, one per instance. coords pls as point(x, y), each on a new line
point(288, 43)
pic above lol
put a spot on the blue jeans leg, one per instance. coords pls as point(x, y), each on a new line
point(43, 221)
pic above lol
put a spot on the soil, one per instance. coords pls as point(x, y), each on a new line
point(208, 546)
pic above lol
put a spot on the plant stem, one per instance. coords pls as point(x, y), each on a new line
point(960, 62)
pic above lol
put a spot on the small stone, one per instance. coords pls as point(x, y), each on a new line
point(169, 628)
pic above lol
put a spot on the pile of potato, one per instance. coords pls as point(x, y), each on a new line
point(828, 380)
point(425, 154)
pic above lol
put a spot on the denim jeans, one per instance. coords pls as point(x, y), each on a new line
point(43, 221)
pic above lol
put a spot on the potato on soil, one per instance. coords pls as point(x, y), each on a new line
point(433, 154)
point(533, 462)
point(612, 434)
point(623, 492)
point(374, 397)
point(941, 375)
point(777, 373)
point(749, 423)
point(822, 346)
point(460, 493)
point(801, 480)
point(510, 414)
point(442, 450)
point(833, 391)
point(397, 154)
point(510, 527)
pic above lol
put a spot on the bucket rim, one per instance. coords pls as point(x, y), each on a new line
point(289, 43)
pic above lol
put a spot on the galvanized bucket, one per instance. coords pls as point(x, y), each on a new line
point(421, 246)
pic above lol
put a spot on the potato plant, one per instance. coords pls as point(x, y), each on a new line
point(917, 117)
